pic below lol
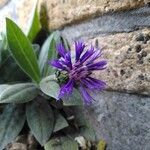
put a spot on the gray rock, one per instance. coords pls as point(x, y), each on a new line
point(123, 120)
point(109, 23)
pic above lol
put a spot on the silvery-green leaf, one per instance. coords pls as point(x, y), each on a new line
point(84, 127)
point(40, 119)
point(3, 87)
point(66, 44)
point(60, 122)
point(11, 122)
point(50, 87)
point(48, 52)
point(88, 132)
point(36, 48)
point(73, 100)
point(18, 93)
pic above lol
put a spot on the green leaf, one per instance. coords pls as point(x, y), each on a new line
point(48, 52)
point(18, 93)
point(3, 87)
point(12, 121)
point(61, 143)
point(60, 122)
point(40, 119)
point(84, 126)
point(4, 53)
point(22, 50)
point(73, 100)
point(66, 44)
point(88, 132)
point(10, 72)
point(36, 48)
point(44, 16)
point(35, 25)
point(79, 114)
point(50, 87)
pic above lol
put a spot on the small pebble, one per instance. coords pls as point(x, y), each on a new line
point(81, 141)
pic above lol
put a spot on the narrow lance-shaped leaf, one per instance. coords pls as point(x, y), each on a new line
point(43, 16)
point(11, 123)
point(40, 119)
point(35, 25)
point(18, 93)
point(66, 44)
point(48, 52)
point(4, 53)
point(22, 50)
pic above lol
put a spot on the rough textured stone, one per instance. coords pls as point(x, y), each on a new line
point(128, 56)
point(62, 12)
point(122, 120)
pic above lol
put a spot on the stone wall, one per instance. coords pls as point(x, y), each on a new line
point(64, 12)
point(121, 28)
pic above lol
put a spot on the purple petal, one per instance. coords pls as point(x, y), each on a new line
point(61, 49)
point(66, 89)
point(68, 59)
point(79, 47)
point(95, 84)
point(98, 66)
point(57, 64)
point(87, 54)
point(86, 96)
point(96, 54)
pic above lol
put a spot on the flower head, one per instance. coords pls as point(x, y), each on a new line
point(79, 70)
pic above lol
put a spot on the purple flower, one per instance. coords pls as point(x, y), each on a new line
point(79, 70)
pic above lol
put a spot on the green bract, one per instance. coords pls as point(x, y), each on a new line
point(29, 90)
